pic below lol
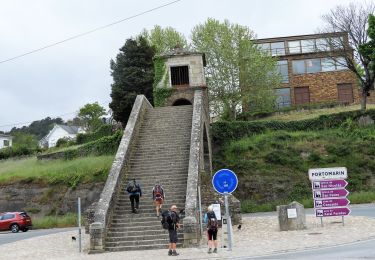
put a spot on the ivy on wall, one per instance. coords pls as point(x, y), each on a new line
point(161, 89)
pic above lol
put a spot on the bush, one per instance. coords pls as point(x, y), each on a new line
point(223, 132)
point(104, 130)
point(17, 152)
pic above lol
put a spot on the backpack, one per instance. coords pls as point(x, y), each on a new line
point(132, 187)
point(158, 192)
point(166, 219)
point(212, 223)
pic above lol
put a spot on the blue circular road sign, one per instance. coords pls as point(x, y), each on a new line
point(225, 181)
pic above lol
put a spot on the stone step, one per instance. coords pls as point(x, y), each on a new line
point(126, 209)
point(159, 230)
point(138, 243)
point(111, 248)
point(154, 237)
point(147, 206)
point(139, 228)
point(164, 179)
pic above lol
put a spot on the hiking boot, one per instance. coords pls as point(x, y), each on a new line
point(209, 251)
point(170, 252)
point(215, 250)
point(174, 253)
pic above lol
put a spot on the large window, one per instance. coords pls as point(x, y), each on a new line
point(294, 47)
point(274, 48)
point(328, 64)
point(283, 97)
point(282, 67)
point(313, 65)
point(318, 65)
point(180, 75)
point(298, 66)
point(6, 143)
point(277, 48)
point(308, 45)
point(341, 63)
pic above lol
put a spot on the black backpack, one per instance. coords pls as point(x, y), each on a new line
point(132, 187)
point(166, 219)
point(212, 223)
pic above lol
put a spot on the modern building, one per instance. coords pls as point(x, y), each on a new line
point(5, 141)
point(309, 72)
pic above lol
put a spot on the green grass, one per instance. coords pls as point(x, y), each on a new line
point(68, 220)
point(70, 173)
point(272, 167)
point(313, 113)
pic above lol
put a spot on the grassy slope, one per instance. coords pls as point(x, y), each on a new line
point(272, 167)
point(71, 173)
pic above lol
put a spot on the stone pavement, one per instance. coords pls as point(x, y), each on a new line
point(258, 236)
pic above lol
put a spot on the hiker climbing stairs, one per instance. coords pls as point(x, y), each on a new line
point(161, 153)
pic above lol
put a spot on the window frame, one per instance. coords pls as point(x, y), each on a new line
point(179, 74)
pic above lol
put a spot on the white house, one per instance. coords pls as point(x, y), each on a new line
point(5, 141)
point(58, 132)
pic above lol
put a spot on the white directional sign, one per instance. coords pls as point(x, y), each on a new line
point(328, 173)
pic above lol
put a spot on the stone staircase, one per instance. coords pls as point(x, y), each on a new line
point(160, 153)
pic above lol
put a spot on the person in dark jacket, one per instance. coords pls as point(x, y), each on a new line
point(172, 230)
point(135, 192)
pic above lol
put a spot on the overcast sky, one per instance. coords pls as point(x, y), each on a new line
point(59, 80)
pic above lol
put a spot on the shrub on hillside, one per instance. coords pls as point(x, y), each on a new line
point(223, 132)
point(103, 146)
point(104, 130)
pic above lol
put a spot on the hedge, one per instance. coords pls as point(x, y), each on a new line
point(104, 146)
point(104, 130)
point(226, 131)
point(9, 152)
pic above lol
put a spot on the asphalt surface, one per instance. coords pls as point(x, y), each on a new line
point(357, 250)
point(9, 237)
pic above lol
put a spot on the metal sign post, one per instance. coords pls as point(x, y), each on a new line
point(229, 222)
point(225, 182)
point(79, 225)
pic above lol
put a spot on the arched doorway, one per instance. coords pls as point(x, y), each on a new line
point(181, 102)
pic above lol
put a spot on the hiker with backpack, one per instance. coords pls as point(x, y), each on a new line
point(135, 192)
point(158, 196)
point(212, 227)
point(170, 221)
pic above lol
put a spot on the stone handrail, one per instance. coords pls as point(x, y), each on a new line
point(112, 187)
point(191, 222)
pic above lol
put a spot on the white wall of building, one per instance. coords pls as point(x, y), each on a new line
point(4, 140)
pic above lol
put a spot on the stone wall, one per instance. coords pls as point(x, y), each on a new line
point(104, 208)
point(41, 199)
point(323, 86)
point(196, 68)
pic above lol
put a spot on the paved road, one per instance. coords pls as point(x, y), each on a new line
point(9, 237)
point(366, 210)
point(357, 250)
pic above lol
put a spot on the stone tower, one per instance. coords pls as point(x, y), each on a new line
point(178, 74)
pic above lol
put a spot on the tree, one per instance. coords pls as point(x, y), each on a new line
point(39, 128)
point(352, 19)
point(164, 39)
point(133, 74)
point(367, 50)
point(239, 76)
point(91, 114)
